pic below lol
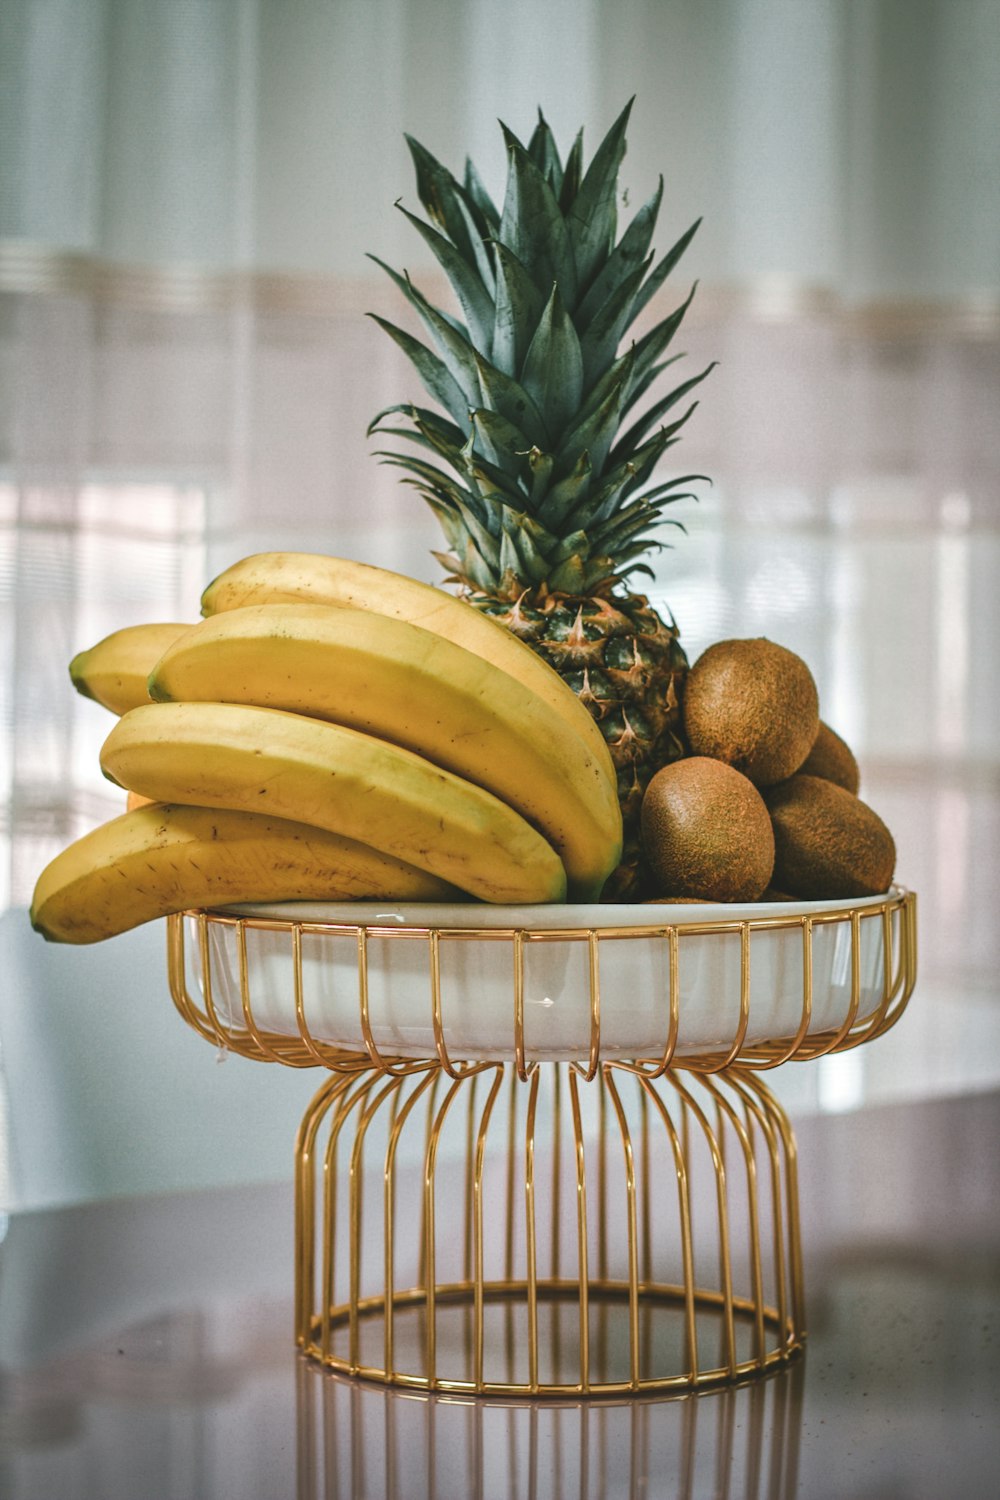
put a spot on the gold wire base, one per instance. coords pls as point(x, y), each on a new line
point(657, 1305)
point(558, 1259)
point(475, 1218)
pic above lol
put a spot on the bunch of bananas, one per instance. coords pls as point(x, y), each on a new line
point(332, 731)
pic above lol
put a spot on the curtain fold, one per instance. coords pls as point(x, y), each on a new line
point(843, 146)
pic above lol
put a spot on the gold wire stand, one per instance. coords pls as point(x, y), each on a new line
point(519, 1228)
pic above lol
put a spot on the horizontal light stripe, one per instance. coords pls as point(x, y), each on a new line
point(27, 268)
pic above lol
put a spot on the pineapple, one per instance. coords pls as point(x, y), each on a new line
point(547, 506)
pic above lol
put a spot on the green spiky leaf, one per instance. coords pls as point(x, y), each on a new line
point(519, 307)
point(627, 477)
point(475, 300)
point(544, 153)
point(649, 348)
point(605, 329)
point(423, 417)
point(570, 577)
point(634, 435)
point(572, 173)
point(595, 431)
point(542, 466)
point(567, 494)
point(503, 444)
point(481, 205)
point(451, 339)
point(504, 395)
point(631, 251)
point(577, 544)
point(667, 492)
point(638, 387)
point(530, 472)
point(437, 378)
point(519, 557)
point(489, 480)
point(592, 219)
point(664, 269)
point(532, 226)
point(553, 367)
point(441, 196)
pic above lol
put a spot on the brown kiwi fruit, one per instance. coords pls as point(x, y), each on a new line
point(677, 901)
point(754, 705)
point(828, 844)
point(706, 832)
point(833, 759)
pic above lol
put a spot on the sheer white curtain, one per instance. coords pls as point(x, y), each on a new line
point(187, 192)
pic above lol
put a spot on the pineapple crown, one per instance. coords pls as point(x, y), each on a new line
point(541, 491)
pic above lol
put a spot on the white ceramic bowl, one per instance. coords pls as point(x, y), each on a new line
point(478, 957)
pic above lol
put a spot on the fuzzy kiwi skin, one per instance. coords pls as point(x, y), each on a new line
point(706, 832)
point(678, 901)
point(828, 844)
point(833, 759)
point(754, 705)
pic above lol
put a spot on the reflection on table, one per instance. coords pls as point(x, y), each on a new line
point(146, 1350)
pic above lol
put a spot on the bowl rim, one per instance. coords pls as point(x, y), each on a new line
point(484, 917)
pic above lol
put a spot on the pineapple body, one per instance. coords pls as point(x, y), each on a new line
point(627, 666)
point(538, 459)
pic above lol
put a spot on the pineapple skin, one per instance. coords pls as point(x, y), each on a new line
point(627, 666)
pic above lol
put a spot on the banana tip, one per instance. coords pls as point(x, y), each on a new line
point(77, 677)
point(41, 929)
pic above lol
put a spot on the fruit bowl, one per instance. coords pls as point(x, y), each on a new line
point(695, 985)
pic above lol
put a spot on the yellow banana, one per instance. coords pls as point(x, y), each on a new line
point(230, 755)
point(316, 578)
point(160, 859)
point(114, 672)
point(400, 683)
